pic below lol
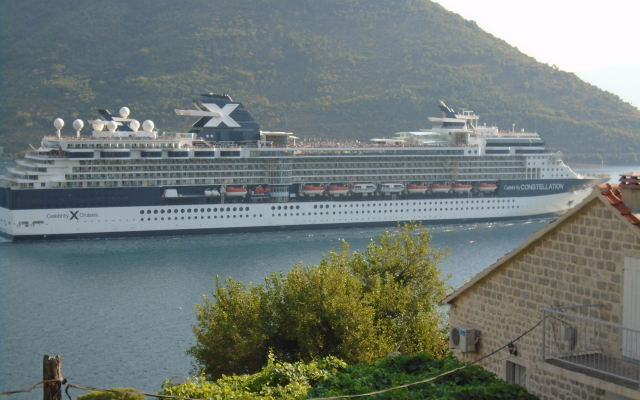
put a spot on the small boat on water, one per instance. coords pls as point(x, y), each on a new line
point(487, 187)
point(440, 188)
point(236, 191)
point(415, 188)
point(337, 190)
point(462, 188)
point(312, 190)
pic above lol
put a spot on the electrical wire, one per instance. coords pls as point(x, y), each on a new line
point(30, 389)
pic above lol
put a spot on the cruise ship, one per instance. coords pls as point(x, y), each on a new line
point(227, 175)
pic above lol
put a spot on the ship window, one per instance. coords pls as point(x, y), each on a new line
point(188, 210)
point(182, 210)
point(235, 209)
point(240, 208)
point(297, 207)
point(228, 209)
point(314, 206)
point(246, 208)
point(273, 207)
point(148, 211)
point(141, 211)
point(161, 211)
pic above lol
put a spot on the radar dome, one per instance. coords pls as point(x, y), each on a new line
point(111, 125)
point(78, 124)
point(134, 125)
point(147, 126)
point(97, 125)
point(124, 112)
point(58, 123)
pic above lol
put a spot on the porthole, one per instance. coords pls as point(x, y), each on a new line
point(279, 207)
point(188, 210)
point(315, 206)
point(195, 210)
point(235, 209)
point(273, 207)
point(182, 210)
point(148, 211)
point(208, 210)
point(141, 211)
point(228, 209)
point(169, 211)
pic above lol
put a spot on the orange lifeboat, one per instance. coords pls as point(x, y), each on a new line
point(336, 190)
point(312, 190)
point(236, 192)
point(415, 188)
point(487, 187)
point(462, 187)
point(440, 188)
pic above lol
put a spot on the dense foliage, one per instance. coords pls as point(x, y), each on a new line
point(113, 395)
point(330, 377)
point(319, 68)
point(358, 306)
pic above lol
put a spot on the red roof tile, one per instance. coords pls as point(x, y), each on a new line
point(614, 196)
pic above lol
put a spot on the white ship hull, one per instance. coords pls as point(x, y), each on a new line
point(217, 218)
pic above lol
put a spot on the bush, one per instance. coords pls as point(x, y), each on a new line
point(356, 306)
point(98, 395)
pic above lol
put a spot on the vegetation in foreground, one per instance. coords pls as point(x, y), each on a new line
point(359, 307)
point(331, 377)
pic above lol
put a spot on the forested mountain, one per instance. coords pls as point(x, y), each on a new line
point(352, 69)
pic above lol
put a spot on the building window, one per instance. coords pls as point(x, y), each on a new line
point(516, 374)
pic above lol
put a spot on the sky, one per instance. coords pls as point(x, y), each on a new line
point(598, 40)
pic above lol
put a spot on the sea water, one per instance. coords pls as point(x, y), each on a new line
point(119, 311)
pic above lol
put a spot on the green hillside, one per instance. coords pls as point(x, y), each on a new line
point(322, 68)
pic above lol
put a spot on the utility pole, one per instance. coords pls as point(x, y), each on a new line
point(52, 371)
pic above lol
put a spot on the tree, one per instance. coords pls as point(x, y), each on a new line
point(356, 306)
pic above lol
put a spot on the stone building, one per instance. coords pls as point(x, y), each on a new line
point(560, 314)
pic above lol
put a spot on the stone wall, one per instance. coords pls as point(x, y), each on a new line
point(578, 262)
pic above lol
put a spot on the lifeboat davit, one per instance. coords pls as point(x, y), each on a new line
point(391, 187)
point(236, 192)
point(462, 187)
point(363, 188)
point(312, 190)
point(211, 193)
point(336, 190)
point(440, 188)
point(487, 187)
point(415, 188)
point(260, 191)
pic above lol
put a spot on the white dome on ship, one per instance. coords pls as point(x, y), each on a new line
point(147, 126)
point(58, 123)
point(111, 125)
point(134, 125)
point(97, 125)
point(124, 112)
point(78, 124)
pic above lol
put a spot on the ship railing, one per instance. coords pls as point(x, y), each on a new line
point(586, 175)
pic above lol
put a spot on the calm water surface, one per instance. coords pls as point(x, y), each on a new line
point(120, 311)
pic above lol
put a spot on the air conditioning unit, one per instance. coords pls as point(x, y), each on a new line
point(464, 338)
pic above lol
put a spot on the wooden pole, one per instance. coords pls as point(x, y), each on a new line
point(52, 370)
